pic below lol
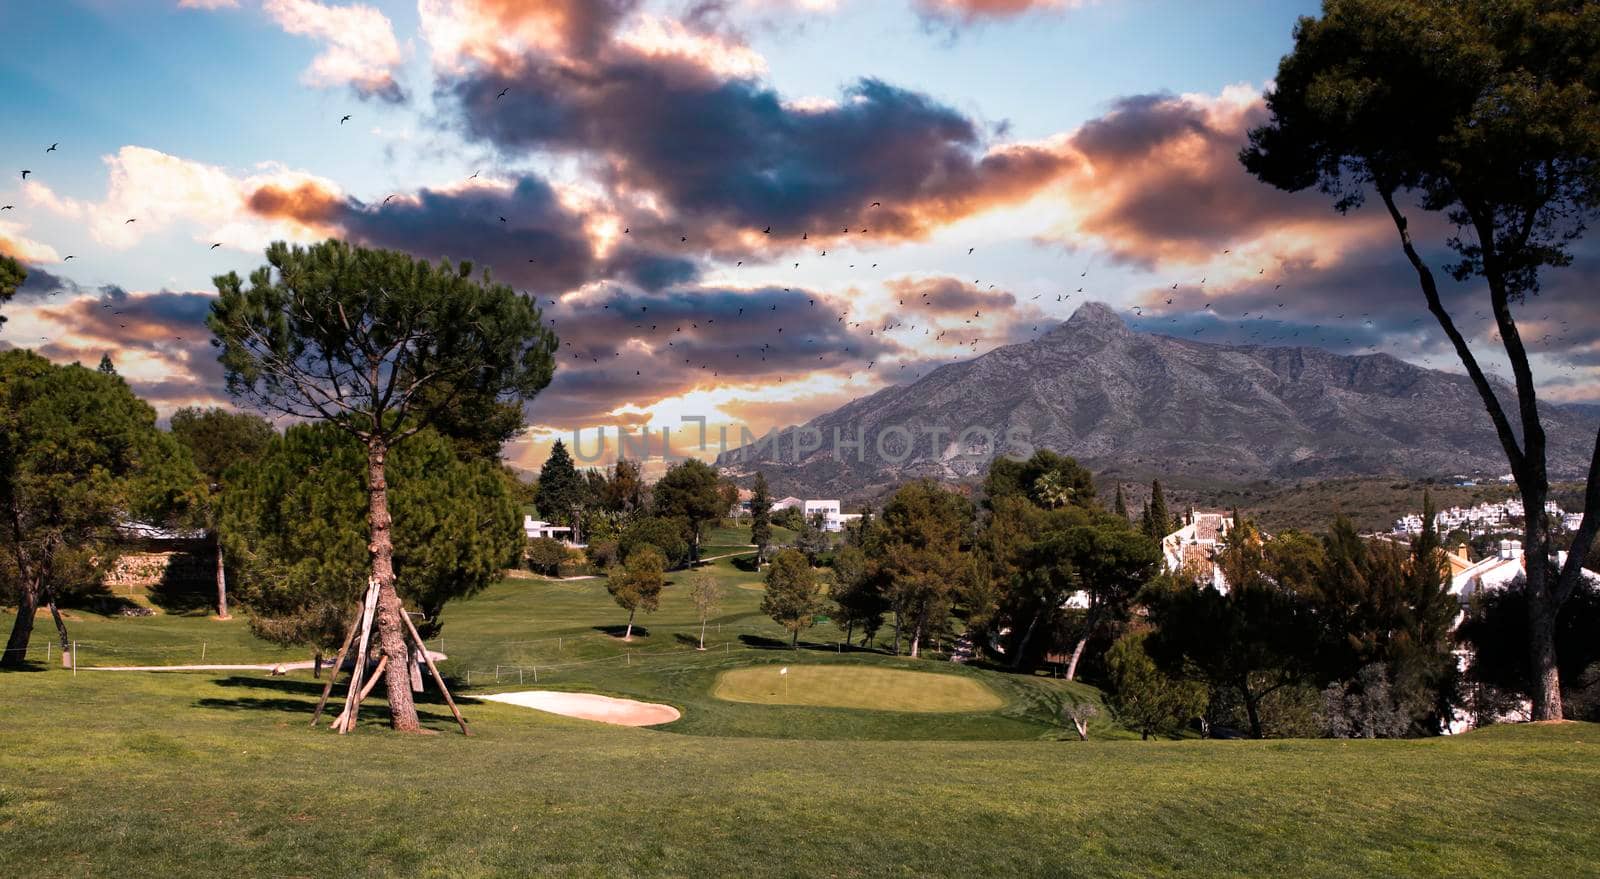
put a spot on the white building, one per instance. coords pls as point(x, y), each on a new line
point(786, 503)
point(537, 528)
point(828, 510)
point(1195, 545)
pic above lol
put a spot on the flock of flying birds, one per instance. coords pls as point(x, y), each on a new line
point(1252, 328)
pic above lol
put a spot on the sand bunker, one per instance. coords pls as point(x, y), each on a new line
point(590, 706)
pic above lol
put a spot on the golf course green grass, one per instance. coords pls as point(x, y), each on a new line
point(212, 773)
point(844, 686)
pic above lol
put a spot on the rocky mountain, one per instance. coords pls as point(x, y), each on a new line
point(1137, 405)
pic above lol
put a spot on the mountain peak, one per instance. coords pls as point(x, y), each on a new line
point(1094, 319)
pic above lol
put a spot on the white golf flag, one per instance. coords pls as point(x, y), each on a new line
point(784, 670)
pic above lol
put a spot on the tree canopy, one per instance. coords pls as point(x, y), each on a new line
point(11, 277)
point(80, 455)
point(924, 556)
point(294, 526)
point(218, 439)
point(636, 584)
point(689, 491)
point(793, 596)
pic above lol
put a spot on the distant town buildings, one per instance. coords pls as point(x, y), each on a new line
point(1485, 518)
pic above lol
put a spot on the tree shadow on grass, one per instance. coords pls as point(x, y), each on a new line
point(639, 630)
point(299, 697)
point(761, 642)
point(745, 563)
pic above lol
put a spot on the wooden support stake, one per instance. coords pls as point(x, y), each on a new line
point(359, 672)
point(437, 678)
point(366, 689)
point(338, 666)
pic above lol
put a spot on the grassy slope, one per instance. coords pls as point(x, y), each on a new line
point(215, 774)
point(200, 775)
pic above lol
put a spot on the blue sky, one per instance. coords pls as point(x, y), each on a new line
point(1013, 152)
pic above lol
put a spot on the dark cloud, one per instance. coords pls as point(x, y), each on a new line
point(640, 347)
point(727, 155)
point(540, 244)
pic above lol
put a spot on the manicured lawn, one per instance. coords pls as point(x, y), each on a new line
point(849, 686)
point(212, 775)
point(217, 774)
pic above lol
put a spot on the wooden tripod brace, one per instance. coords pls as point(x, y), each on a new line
point(358, 636)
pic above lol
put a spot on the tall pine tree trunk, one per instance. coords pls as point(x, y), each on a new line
point(222, 582)
point(16, 654)
point(22, 629)
point(916, 639)
point(1545, 686)
point(391, 629)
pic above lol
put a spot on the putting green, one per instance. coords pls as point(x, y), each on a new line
point(848, 686)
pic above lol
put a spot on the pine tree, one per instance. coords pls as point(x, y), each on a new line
point(106, 367)
point(1160, 519)
point(760, 515)
point(561, 487)
point(381, 345)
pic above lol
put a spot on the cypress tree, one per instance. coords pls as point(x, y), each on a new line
point(760, 516)
point(1160, 519)
point(1121, 506)
point(561, 488)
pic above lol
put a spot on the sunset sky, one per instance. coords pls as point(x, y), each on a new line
point(1017, 152)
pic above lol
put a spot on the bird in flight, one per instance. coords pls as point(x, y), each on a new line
point(25, 173)
point(474, 174)
point(6, 207)
point(344, 119)
point(132, 220)
point(215, 246)
point(64, 259)
point(502, 93)
point(52, 148)
point(386, 200)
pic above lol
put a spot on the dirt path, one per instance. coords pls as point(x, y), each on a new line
point(726, 555)
point(298, 665)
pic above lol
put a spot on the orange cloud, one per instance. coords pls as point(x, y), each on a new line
point(1158, 182)
point(308, 203)
point(973, 10)
point(157, 190)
